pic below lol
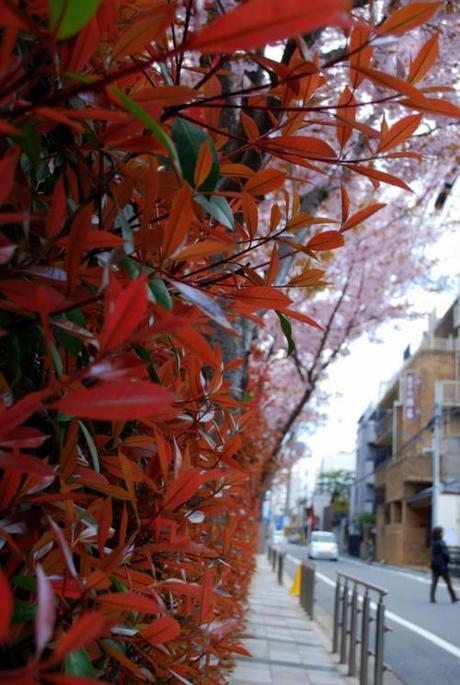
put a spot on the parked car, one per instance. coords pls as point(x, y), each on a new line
point(323, 545)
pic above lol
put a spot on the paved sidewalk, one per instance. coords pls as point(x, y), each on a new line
point(287, 648)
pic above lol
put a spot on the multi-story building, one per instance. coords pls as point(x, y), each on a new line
point(362, 492)
point(416, 447)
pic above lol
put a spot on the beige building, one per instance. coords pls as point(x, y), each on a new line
point(417, 435)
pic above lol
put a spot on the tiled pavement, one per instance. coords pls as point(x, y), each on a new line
point(287, 648)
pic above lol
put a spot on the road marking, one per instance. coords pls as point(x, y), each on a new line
point(447, 646)
point(395, 572)
point(438, 641)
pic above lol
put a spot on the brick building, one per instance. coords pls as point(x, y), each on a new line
point(418, 416)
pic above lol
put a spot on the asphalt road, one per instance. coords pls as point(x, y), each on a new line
point(424, 645)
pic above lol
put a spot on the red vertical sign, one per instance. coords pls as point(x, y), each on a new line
point(409, 396)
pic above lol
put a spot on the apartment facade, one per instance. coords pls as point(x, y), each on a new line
point(416, 433)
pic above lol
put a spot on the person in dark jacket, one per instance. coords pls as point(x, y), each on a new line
point(439, 564)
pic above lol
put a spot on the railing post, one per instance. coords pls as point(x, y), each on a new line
point(280, 568)
point(307, 588)
point(335, 638)
point(311, 594)
point(363, 671)
point(344, 626)
point(353, 626)
point(379, 642)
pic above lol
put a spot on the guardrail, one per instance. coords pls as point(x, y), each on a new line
point(454, 564)
point(353, 616)
point(347, 634)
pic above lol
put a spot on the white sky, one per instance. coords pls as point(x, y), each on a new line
point(354, 380)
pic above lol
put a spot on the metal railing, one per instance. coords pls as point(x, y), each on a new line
point(353, 616)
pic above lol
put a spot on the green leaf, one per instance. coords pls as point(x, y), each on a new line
point(79, 663)
point(91, 446)
point(218, 208)
point(188, 139)
point(23, 612)
point(57, 361)
point(145, 356)
point(160, 293)
point(149, 123)
point(69, 16)
point(287, 330)
point(25, 583)
point(30, 142)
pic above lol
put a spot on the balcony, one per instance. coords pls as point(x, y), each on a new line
point(448, 393)
point(449, 344)
point(383, 427)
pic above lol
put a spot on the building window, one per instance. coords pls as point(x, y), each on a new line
point(397, 512)
point(387, 514)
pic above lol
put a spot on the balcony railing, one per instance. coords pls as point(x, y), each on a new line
point(448, 392)
point(442, 344)
point(383, 424)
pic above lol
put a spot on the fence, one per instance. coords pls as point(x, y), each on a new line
point(348, 634)
point(354, 614)
point(454, 564)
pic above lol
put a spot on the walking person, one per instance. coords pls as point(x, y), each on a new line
point(439, 564)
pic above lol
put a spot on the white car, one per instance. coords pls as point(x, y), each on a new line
point(323, 545)
point(277, 537)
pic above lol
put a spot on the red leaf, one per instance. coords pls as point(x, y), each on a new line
point(124, 314)
point(84, 46)
point(325, 241)
point(162, 630)
point(409, 17)
point(23, 463)
point(392, 82)
point(399, 132)
point(302, 317)
point(57, 211)
point(96, 240)
point(25, 436)
point(7, 172)
point(264, 182)
point(206, 598)
point(182, 488)
point(426, 57)
point(6, 606)
point(360, 52)
point(258, 22)
point(77, 241)
point(379, 176)
point(86, 628)
point(61, 679)
point(143, 30)
point(119, 401)
point(346, 113)
point(46, 611)
point(362, 215)
point(301, 146)
point(180, 217)
point(194, 341)
point(130, 601)
point(262, 296)
point(444, 107)
point(19, 412)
